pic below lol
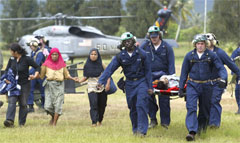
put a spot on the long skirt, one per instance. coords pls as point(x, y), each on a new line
point(54, 97)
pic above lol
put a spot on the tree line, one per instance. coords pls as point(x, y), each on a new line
point(223, 21)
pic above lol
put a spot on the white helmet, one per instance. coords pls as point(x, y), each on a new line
point(211, 37)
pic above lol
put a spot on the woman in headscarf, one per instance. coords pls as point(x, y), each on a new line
point(55, 71)
point(97, 96)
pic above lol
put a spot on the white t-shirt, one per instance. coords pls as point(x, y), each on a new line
point(173, 80)
point(130, 54)
point(199, 55)
point(156, 47)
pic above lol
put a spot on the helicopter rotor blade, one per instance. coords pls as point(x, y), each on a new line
point(38, 25)
point(96, 17)
point(175, 18)
point(172, 2)
point(60, 16)
point(30, 18)
point(158, 3)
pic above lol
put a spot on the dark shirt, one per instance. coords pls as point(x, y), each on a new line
point(23, 68)
point(162, 59)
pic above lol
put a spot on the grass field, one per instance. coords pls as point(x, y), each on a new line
point(75, 125)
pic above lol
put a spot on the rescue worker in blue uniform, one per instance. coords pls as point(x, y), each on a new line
point(162, 61)
point(44, 45)
point(216, 109)
point(198, 65)
point(234, 55)
point(39, 58)
point(138, 84)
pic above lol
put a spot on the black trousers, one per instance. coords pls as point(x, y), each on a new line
point(98, 103)
point(22, 99)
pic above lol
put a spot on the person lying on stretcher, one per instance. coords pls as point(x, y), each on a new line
point(166, 82)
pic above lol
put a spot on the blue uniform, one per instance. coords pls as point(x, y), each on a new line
point(162, 63)
point(39, 59)
point(138, 80)
point(237, 89)
point(199, 86)
point(216, 109)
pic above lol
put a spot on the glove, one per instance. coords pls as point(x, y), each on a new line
point(181, 93)
point(121, 84)
point(150, 91)
point(222, 83)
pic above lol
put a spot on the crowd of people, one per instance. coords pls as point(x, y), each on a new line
point(203, 80)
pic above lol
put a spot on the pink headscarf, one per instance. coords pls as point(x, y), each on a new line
point(55, 65)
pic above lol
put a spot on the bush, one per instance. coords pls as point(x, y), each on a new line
point(228, 47)
point(188, 34)
point(171, 30)
point(3, 46)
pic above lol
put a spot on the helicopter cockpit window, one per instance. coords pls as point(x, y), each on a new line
point(81, 33)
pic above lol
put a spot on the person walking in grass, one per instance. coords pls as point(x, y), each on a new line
point(138, 85)
point(216, 108)
point(55, 71)
point(97, 96)
point(198, 65)
point(19, 63)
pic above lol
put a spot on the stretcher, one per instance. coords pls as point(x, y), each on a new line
point(172, 91)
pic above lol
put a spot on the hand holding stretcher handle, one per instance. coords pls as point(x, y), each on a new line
point(181, 93)
point(222, 83)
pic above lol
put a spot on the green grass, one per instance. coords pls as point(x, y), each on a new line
point(75, 124)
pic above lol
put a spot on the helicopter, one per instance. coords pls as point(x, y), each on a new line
point(72, 41)
point(76, 41)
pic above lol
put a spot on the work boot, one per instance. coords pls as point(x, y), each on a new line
point(30, 108)
point(139, 134)
point(153, 123)
point(1, 104)
point(8, 123)
point(190, 137)
point(213, 126)
point(164, 126)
